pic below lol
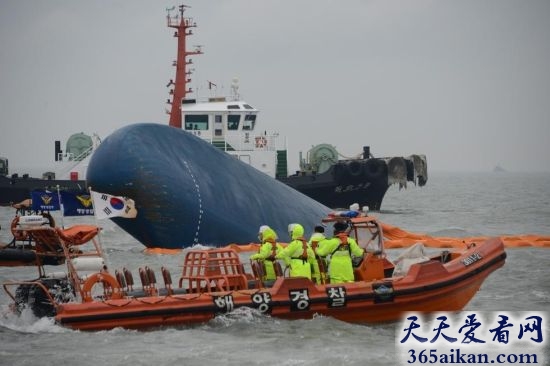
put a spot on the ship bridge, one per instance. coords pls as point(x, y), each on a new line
point(232, 127)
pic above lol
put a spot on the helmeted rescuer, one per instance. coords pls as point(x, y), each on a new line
point(317, 237)
point(315, 241)
point(340, 248)
point(268, 250)
point(298, 253)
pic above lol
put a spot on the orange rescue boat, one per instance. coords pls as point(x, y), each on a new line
point(26, 249)
point(216, 281)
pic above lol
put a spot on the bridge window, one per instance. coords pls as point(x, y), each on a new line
point(249, 122)
point(233, 106)
point(233, 121)
point(247, 106)
point(196, 122)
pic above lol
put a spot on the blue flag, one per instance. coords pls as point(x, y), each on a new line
point(76, 203)
point(45, 200)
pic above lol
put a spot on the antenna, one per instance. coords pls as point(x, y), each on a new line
point(235, 89)
point(168, 10)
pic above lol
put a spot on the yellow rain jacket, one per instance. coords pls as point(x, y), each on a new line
point(299, 254)
point(267, 252)
point(340, 248)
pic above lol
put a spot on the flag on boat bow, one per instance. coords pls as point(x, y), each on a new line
point(107, 206)
point(44, 200)
point(76, 203)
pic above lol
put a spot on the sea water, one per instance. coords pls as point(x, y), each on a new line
point(451, 204)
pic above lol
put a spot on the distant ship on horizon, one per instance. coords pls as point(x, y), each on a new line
point(499, 169)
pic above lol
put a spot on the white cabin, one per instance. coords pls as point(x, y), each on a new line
point(232, 127)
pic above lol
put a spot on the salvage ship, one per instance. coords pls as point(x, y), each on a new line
point(69, 174)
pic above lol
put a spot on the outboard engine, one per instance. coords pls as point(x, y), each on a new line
point(32, 295)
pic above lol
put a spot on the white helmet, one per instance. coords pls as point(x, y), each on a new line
point(290, 229)
point(262, 229)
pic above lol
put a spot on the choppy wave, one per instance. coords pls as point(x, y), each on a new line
point(26, 322)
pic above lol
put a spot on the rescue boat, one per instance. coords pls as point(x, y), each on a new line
point(217, 281)
point(25, 249)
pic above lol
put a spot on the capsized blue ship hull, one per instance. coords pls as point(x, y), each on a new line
point(188, 192)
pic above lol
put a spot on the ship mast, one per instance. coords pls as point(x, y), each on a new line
point(180, 90)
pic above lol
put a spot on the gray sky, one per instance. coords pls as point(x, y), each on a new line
point(465, 82)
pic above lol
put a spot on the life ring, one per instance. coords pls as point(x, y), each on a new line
point(261, 142)
point(106, 279)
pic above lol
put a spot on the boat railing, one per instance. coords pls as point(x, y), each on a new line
point(74, 157)
point(72, 160)
point(248, 141)
point(44, 289)
point(83, 253)
point(213, 270)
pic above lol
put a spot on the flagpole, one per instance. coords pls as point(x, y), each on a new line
point(99, 233)
point(61, 207)
point(108, 206)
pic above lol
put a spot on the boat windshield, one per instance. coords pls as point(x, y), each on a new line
point(369, 240)
point(196, 122)
point(233, 121)
point(249, 122)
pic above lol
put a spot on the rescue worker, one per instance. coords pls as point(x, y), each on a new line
point(267, 252)
point(317, 236)
point(340, 248)
point(298, 253)
point(319, 267)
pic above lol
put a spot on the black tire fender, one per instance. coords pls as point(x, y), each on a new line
point(374, 168)
point(354, 168)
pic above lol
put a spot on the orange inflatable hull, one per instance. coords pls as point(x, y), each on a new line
point(436, 285)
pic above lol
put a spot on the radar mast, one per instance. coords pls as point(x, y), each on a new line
point(179, 88)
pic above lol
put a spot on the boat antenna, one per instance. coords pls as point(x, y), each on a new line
point(183, 74)
point(235, 89)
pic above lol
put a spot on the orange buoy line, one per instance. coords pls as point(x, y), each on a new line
point(399, 238)
point(162, 251)
point(396, 238)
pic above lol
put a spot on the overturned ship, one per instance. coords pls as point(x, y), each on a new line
point(189, 192)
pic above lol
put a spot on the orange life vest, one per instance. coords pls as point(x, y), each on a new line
point(273, 249)
point(314, 245)
point(304, 250)
point(344, 244)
